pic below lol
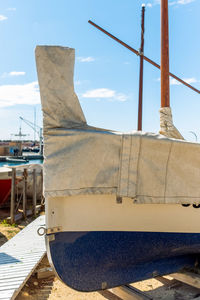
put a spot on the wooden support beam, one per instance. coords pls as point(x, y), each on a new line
point(164, 67)
point(42, 188)
point(170, 283)
point(127, 292)
point(12, 204)
point(25, 174)
point(45, 273)
point(188, 278)
point(34, 192)
point(108, 295)
point(19, 216)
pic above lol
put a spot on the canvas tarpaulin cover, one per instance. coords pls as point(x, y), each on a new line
point(81, 159)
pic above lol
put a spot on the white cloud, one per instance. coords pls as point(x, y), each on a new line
point(11, 8)
point(19, 94)
point(106, 94)
point(184, 1)
point(171, 2)
point(86, 59)
point(173, 81)
point(153, 2)
point(188, 80)
point(99, 93)
point(81, 82)
point(77, 82)
point(13, 73)
point(2, 18)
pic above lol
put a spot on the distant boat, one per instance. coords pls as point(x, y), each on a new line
point(31, 149)
point(16, 160)
point(6, 179)
point(5, 184)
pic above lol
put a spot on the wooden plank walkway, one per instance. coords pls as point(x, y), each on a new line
point(19, 257)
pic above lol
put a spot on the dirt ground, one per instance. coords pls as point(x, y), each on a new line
point(52, 288)
point(7, 231)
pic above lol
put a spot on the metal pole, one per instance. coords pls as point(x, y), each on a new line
point(195, 135)
point(145, 58)
point(165, 96)
point(141, 71)
point(12, 204)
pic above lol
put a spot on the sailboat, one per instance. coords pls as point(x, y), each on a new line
point(120, 207)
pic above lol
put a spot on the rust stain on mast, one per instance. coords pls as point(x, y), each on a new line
point(165, 92)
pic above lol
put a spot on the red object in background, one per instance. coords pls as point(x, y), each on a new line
point(5, 189)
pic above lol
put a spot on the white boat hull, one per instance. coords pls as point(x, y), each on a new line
point(103, 213)
point(102, 244)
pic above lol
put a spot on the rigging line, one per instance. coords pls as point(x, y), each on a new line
point(145, 57)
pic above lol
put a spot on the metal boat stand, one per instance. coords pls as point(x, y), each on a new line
point(125, 292)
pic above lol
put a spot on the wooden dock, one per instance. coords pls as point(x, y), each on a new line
point(19, 257)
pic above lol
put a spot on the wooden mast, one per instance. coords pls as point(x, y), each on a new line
point(141, 71)
point(165, 93)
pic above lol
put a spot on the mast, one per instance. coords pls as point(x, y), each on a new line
point(167, 127)
point(141, 70)
point(165, 96)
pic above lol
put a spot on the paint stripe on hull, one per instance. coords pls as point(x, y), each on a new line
point(89, 261)
point(102, 213)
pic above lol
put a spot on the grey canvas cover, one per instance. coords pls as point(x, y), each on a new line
point(81, 159)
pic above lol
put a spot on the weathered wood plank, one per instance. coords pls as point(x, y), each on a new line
point(12, 203)
point(45, 273)
point(34, 192)
point(127, 292)
point(188, 278)
point(25, 192)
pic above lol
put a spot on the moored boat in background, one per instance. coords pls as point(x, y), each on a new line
point(5, 184)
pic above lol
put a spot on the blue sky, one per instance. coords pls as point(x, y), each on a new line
point(106, 74)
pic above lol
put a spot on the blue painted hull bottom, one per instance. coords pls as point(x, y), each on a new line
point(90, 261)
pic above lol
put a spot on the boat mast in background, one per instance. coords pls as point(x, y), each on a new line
point(141, 71)
point(20, 135)
point(164, 68)
point(37, 129)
